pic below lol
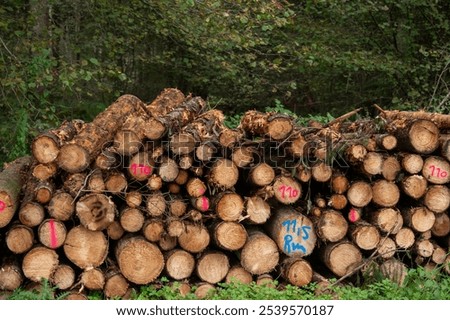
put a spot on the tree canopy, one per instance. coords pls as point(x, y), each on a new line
point(61, 58)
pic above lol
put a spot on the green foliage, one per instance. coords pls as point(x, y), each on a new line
point(45, 292)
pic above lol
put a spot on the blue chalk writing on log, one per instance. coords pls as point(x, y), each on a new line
point(291, 227)
point(291, 246)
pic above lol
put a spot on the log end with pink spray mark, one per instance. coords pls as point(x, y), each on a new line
point(354, 214)
point(52, 233)
point(201, 203)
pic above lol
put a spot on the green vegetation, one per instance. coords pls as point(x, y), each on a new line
point(419, 285)
point(69, 59)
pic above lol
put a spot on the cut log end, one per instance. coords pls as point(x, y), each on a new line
point(73, 158)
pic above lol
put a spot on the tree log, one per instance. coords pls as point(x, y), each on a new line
point(331, 226)
point(224, 174)
point(436, 170)
point(63, 277)
point(93, 279)
point(386, 248)
point(296, 271)
point(385, 193)
point(52, 233)
point(419, 219)
point(212, 267)
point(257, 210)
point(44, 171)
point(414, 186)
point(242, 156)
point(153, 229)
point(364, 235)
point(156, 204)
point(39, 263)
point(229, 206)
point(259, 254)
point(390, 168)
point(359, 194)
point(437, 198)
point(116, 285)
point(141, 166)
point(195, 187)
point(292, 231)
point(342, 257)
point(19, 238)
point(238, 274)
point(411, 162)
point(85, 248)
point(275, 126)
point(11, 180)
point(229, 235)
point(140, 261)
point(441, 226)
point(11, 276)
point(96, 211)
point(394, 270)
point(321, 172)
point(261, 174)
point(404, 238)
point(116, 182)
point(180, 264)
point(286, 189)
point(131, 219)
point(388, 220)
point(115, 231)
point(195, 239)
point(417, 135)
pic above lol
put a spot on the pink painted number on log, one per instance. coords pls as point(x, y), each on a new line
point(287, 191)
point(2, 206)
point(438, 172)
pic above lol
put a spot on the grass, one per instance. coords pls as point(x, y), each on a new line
point(420, 284)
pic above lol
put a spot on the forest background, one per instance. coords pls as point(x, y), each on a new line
point(68, 59)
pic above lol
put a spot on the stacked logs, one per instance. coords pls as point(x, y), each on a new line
point(165, 188)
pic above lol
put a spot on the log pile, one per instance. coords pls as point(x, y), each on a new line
point(146, 190)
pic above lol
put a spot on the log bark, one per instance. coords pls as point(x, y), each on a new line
point(385, 193)
point(296, 271)
point(359, 194)
point(96, 211)
point(437, 198)
point(140, 261)
point(19, 238)
point(12, 179)
point(341, 257)
point(39, 263)
point(436, 170)
point(129, 139)
point(46, 146)
point(212, 267)
point(293, 232)
point(331, 226)
point(76, 155)
point(85, 248)
point(52, 233)
point(229, 235)
point(257, 210)
point(260, 254)
point(442, 120)
point(195, 239)
point(394, 270)
point(179, 264)
point(168, 100)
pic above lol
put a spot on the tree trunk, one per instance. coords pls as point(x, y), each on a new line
point(365, 235)
point(404, 238)
point(19, 238)
point(76, 155)
point(115, 231)
point(141, 166)
point(417, 135)
point(390, 168)
point(388, 220)
point(131, 219)
point(419, 219)
point(441, 226)
point(331, 226)
point(93, 279)
point(52, 233)
point(11, 276)
point(442, 120)
point(96, 211)
point(39, 263)
point(259, 254)
point(436, 170)
point(339, 183)
point(116, 285)
point(229, 235)
point(228, 138)
point(321, 172)
point(257, 210)
point(229, 206)
point(296, 271)
point(224, 174)
point(156, 204)
point(140, 261)
point(44, 171)
point(195, 239)
point(168, 170)
point(242, 156)
point(85, 248)
point(411, 163)
point(46, 146)
point(437, 198)
point(212, 267)
point(386, 141)
point(261, 175)
point(359, 194)
point(274, 126)
point(342, 257)
point(292, 231)
point(286, 189)
point(414, 186)
point(63, 277)
point(385, 193)
point(153, 229)
point(386, 248)
point(11, 180)
point(180, 264)
point(237, 274)
point(338, 201)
